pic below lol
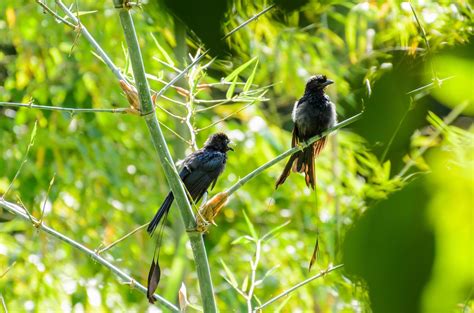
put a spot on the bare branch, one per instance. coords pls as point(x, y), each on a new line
point(288, 291)
point(70, 110)
point(249, 21)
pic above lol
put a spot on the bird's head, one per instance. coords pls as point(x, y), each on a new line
point(318, 82)
point(219, 142)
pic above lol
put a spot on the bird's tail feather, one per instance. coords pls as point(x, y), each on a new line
point(287, 169)
point(165, 207)
point(308, 167)
point(305, 164)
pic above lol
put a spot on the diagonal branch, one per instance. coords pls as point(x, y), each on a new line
point(288, 291)
point(289, 152)
point(18, 211)
point(253, 18)
point(98, 49)
point(59, 18)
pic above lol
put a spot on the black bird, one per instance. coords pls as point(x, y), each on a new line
point(312, 114)
point(200, 170)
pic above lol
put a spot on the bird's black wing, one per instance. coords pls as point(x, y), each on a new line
point(205, 167)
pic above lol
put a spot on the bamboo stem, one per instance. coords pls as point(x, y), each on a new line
point(176, 185)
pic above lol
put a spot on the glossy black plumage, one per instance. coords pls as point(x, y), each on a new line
point(312, 114)
point(200, 171)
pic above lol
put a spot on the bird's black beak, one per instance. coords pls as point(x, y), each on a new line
point(328, 82)
point(230, 148)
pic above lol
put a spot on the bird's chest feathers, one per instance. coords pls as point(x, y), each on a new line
point(313, 115)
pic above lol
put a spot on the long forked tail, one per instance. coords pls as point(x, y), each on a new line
point(165, 207)
point(287, 169)
point(305, 163)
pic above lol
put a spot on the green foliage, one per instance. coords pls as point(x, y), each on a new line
point(108, 180)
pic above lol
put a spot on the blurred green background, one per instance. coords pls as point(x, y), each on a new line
point(394, 191)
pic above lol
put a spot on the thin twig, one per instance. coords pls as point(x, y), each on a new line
point(64, 109)
point(177, 77)
point(30, 217)
point(7, 270)
point(233, 100)
point(173, 100)
point(249, 21)
point(174, 68)
point(174, 133)
point(55, 15)
point(113, 244)
point(4, 305)
point(395, 132)
point(428, 48)
point(15, 209)
point(168, 112)
point(253, 265)
point(46, 198)
point(225, 117)
point(430, 85)
point(25, 159)
point(288, 291)
point(98, 49)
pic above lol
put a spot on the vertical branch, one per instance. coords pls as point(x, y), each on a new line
point(147, 109)
point(253, 265)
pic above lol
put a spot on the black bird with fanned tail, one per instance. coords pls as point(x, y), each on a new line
point(200, 171)
point(312, 114)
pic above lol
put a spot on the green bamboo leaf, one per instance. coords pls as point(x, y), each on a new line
point(250, 226)
point(169, 60)
point(230, 91)
point(274, 230)
point(230, 276)
point(249, 81)
point(245, 283)
point(242, 238)
point(238, 70)
point(386, 169)
point(33, 134)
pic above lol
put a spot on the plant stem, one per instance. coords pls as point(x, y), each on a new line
point(289, 152)
point(176, 185)
point(70, 110)
point(92, 41)
point(102, 250)
point(288, 291)
point(249, 21)
point(18, 211)
point(253, 265)
point(55, 15)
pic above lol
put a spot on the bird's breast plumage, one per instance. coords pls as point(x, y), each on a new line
point(313, 115)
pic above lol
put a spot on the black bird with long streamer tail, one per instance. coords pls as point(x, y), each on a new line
point(312, 114)
point(199, 172)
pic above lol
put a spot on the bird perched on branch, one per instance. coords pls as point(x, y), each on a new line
point(200, 171)
point(312, 114)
